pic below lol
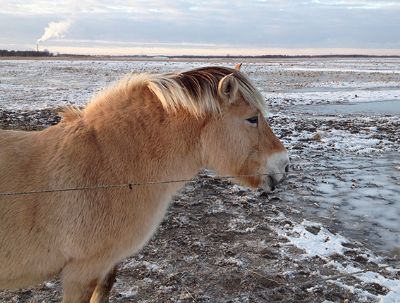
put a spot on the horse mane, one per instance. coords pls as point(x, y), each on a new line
point(70, 113)
point(195, 90)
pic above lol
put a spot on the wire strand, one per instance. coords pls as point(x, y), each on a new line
point(130, 185)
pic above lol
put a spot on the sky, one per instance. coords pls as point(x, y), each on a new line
point(202, 27)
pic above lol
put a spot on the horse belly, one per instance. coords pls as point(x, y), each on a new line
point(23, 264)
point(32, 271)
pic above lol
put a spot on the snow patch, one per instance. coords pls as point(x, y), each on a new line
point(131, 292)
point(393, 296)
point(323, 243)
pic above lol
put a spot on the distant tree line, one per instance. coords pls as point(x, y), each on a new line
point(280, 56)
point(254, 57)
point(46, 53)
point(13, 53)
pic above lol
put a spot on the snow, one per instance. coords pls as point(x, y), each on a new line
point(362, 200)
point(50, 284)
point(324, 244)
point(130, 293)
point(234, 261)
point(344, 140)
point(393, 296)
point(30, 84)
point(335, 96)
point(152, 267)
point(50, 83)
point(241, 224)
point(344, 70)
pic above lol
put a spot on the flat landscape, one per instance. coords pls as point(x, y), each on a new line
point(330, 233)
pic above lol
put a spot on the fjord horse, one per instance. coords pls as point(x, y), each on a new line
point(146, 128)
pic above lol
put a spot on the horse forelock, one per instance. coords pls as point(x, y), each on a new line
point(194, 90)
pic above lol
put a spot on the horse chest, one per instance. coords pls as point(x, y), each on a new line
point(141, 225)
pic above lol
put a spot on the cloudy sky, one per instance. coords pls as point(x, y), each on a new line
point(202, 26)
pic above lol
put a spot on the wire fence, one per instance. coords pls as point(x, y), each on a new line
point(311, 283)
point(130, 185)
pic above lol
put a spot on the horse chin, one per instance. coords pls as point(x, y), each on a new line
point(268, 185)
point(267, 189)
point(253, 182)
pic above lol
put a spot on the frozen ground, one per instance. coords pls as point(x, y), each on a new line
point(338, 212)
point(38, 84)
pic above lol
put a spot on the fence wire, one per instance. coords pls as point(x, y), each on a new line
point(130, 185)
point(310, 283)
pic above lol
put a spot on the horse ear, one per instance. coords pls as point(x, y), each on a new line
point(238, 66)
point(228, 88)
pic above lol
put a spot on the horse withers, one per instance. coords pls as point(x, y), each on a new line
point(145, 129)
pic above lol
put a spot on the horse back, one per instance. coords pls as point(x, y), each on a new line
point(21, 156)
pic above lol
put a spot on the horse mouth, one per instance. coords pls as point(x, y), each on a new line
point(268, 184)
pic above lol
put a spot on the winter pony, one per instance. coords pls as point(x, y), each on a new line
point(146, 128)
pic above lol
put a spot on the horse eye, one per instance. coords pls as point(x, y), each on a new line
point(253, 120)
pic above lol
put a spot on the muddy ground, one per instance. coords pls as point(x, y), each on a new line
point(223, 243)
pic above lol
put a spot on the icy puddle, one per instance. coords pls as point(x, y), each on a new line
point(375, 108)
point(362, 203)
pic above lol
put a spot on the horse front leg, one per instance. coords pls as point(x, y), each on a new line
point(101, 293)
point(80, 279)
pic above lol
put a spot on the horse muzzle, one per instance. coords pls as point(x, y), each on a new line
point(277, 170)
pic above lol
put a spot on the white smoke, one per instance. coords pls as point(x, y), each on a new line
point(55, 30)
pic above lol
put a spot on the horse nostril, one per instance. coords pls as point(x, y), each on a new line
point(287, 168)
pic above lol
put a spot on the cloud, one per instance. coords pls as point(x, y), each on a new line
point(357, 4)
point(219, 23)
point(180, 7)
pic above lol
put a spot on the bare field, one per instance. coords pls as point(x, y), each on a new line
point(338, 213)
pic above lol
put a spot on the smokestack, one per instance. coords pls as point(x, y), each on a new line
point(37, 47)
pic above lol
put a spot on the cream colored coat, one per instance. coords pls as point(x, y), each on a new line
point(146, 128)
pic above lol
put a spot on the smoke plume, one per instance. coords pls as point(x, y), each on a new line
point(55, 30)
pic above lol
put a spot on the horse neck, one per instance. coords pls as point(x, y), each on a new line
point(146, 143)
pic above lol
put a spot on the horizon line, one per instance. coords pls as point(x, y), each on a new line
point(30, 55)
point(204, 51)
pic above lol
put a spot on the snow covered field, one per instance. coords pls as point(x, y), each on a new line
point(38, 84)
point(340, 207)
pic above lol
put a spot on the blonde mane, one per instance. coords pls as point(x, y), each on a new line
point(195, 90)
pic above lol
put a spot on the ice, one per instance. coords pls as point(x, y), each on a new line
point(368, 197)
point(334, 96)
point(344, 70)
